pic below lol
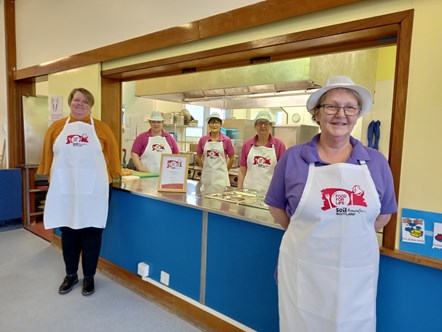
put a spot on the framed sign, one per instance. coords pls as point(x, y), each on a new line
point(173, 172)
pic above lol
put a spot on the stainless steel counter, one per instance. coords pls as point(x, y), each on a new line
point(194, 198)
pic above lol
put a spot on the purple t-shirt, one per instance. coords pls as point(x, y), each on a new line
point(142, 140)
point(277, 144)
point(227, 144)
point(290, 175)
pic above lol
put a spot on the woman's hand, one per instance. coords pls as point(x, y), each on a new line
point(280, 216)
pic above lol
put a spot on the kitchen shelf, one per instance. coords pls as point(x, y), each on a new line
point(33, 194)
point(181, 135)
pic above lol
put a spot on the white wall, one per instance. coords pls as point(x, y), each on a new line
point(47, 30)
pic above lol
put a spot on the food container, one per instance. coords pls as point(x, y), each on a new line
point(179, 119)
point(168, 118)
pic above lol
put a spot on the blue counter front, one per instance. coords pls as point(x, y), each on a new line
point(212, 253)
point(223, 256)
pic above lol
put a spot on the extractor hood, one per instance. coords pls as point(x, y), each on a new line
point(282, 94)
point(272, 84)
point(279, 84)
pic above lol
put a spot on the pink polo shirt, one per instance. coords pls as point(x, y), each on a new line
point(277, 144)
point(227, 144)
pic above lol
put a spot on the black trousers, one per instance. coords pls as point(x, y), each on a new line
point(85, 242)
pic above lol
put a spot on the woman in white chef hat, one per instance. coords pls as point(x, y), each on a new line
point(148, 146)
point(215, 154)
point(331, 195)
point(259, 155)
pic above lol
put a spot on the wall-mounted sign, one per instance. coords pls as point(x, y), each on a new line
point(173, 173)
point(421, 233)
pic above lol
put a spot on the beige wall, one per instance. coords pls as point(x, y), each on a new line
point(61, 84)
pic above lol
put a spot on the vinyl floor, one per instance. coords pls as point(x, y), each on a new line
point(31, 270)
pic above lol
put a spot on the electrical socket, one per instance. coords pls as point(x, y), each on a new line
point(143, 269)
point(164, 278)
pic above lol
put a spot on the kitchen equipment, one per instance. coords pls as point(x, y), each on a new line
point(168, 118)
point(242, 197)
point(197, 173)
point(233, 177)
point(124, 165)
point(192, 147)
point(144, 174)
point(179, 118)
point(295, 134)
point(187, 116)
point(190, 173)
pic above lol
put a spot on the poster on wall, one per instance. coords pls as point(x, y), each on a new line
point(413, 230)
point(55, 108)
point(437, 238)
point(421, 233)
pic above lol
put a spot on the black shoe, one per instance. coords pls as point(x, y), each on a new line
point(68, 283)
point(88, 286)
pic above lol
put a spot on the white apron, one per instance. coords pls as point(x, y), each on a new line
point(151, 157)
point(79, 190)
point(215, 166)
point(329, 255)
point(261, 163)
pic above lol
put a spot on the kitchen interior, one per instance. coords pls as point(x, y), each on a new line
point(238, 94)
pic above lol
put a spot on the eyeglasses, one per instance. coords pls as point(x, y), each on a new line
point(350, 110)
point(214, 122)
point(262, 123)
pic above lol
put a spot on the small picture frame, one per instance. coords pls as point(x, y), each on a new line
point(173, 173)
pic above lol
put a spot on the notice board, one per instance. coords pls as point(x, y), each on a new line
point(421, 233)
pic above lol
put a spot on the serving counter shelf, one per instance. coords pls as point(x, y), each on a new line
point(253, 209)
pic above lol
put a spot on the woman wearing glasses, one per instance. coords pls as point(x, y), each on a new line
point(259, 156)
point(215, 154)
point(331, 195)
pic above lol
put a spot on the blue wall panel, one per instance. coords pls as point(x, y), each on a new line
point(165, 236)
point(10, 194)
point(409, 297)
point(241, 262)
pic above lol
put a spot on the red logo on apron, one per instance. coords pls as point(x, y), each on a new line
point(76, 139)
point(158, 147)
point(261, 161)
point(174, 164)
point(212, 153)
point(335, 197)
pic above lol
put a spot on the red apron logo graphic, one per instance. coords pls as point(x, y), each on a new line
point(77, 140)
point(337, 198)
point(261, 161)
point(212, 153)
point(158, 147)
point(174, 164)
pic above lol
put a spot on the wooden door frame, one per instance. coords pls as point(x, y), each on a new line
point(378, 31)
